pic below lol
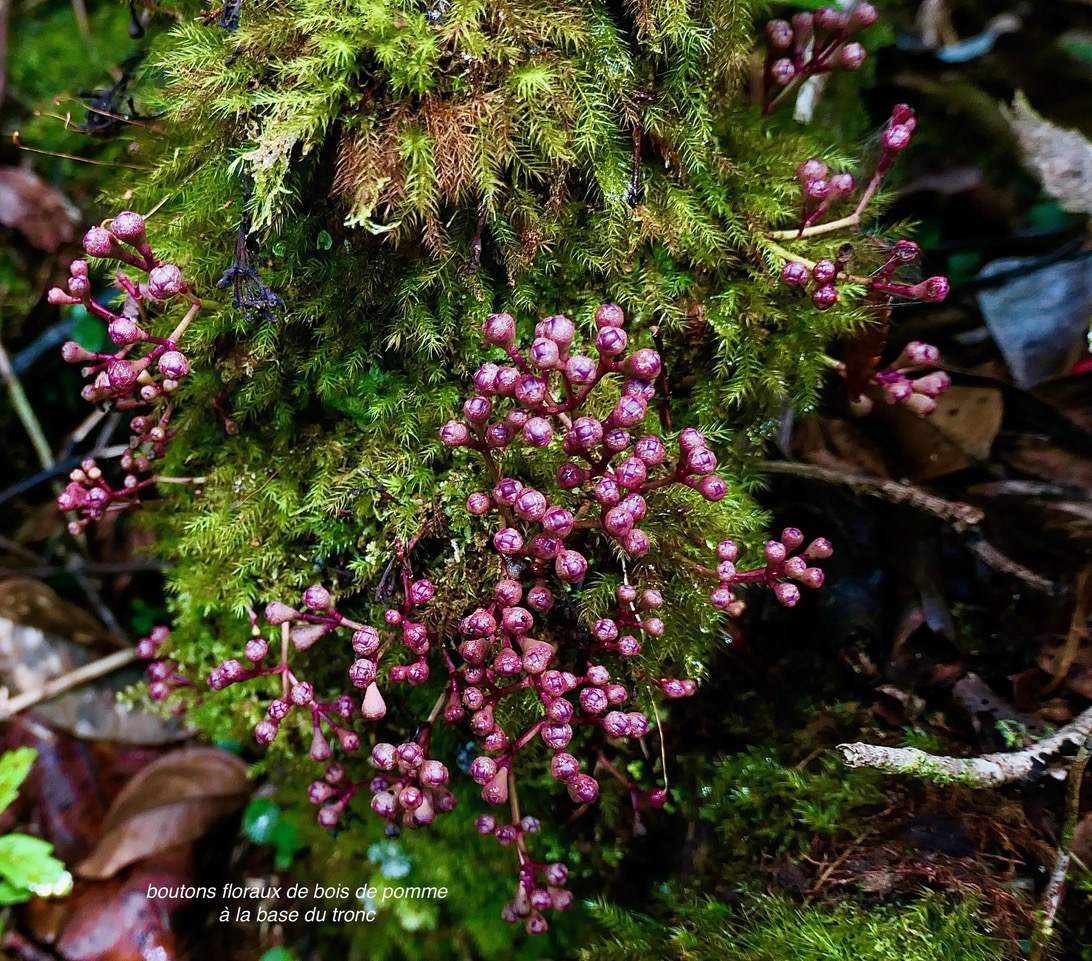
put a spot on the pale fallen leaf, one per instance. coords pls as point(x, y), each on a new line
point(1062, 158)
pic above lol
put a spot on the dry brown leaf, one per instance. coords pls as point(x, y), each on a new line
point(31, 603)
point(837, 444)
point(958, 434)
point(44, 215)
point(1078, 678)
point(173, 800)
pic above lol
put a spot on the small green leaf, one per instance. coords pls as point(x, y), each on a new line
point(10, 894)
point(324, 241)
point(14, 768)
point(278, 954)
point(27, 862)
point(278, 249)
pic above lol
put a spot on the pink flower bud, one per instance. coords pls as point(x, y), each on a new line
point(580, 369)
point(373, 706)
point(544, 354)
point(124, 331)
point(530, 504)
point(99, 242)
point(570, 566)
point(919, 353)
point(496, 791)
point(932, 385)
point(782, 71)
point(779, 34)
point(896, 137)
point(564, 767)
point(609, 315)
point(583, 789)
point(500, 329)
point(558, 521)
point(713, 488)
point(165, 281)
point(557, 328)
point(813, 169)
point(795, 274)
point(852, 56)
point(825, 297)
point(479, 504)
point(787, 594)
point(537, 432)
point(174, 365)
point(508, 541)
point(643, 364)
point(841, 186)
point(128, 226)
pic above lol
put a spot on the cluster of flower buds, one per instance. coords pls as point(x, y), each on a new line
point(821, 191)
point(410, 788)
point(813, 43)
point(780, 569)
point(91, 495)
point(295, 692)
point(903, 253)
point(539, 887)
point(333, 793)
point(823, 277)
point(523, 644)
point(164, 673)
point(127, 378)
point(909, 380)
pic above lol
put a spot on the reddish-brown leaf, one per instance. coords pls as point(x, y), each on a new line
point(114, 919)
point(45, 216)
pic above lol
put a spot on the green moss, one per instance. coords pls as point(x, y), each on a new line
point(767, 928)
point(762, 806)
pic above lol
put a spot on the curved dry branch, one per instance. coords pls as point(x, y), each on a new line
point(987, 770)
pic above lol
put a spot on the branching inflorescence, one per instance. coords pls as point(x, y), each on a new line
point(812, 44)
point(127, 378)
point(522, 669)
point(822, 192)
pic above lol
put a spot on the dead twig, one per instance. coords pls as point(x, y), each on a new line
point(987, 770)
point(954, 512)
point(1055, 889)
point(9, 707)
point(25, 411)
point(1078, 626)
point(963, 518)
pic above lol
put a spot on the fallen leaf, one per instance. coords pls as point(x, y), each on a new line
point(957, 435)
point(173, 800)
point(1078, 678)
point(114, 919)
point(31, 603)
point(1062, 158)
point(837, 444)
point(1038, 316)
point(978, 700)
point(44, 215)
point(71, 784)
point(43, 637)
